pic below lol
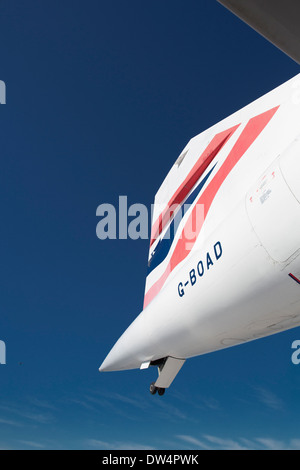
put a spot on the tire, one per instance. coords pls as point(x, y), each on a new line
point(153, 389)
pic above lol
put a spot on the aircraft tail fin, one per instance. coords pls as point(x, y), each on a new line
point(173, 202)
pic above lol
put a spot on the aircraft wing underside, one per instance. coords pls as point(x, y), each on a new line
point(276, 20)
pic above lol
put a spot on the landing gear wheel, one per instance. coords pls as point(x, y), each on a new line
point(153, 389)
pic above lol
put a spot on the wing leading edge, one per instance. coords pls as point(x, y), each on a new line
point(276, 20)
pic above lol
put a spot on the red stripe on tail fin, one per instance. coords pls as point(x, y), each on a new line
point(251, 132)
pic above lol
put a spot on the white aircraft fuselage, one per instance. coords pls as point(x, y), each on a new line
point(228, 270)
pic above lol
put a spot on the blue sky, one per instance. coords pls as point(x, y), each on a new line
point(101, 99)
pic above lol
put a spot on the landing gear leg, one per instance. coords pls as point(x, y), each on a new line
point(168, 368)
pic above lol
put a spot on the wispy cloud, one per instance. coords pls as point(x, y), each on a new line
point(194, 442)
point(10, 422)
point(208, 442)
point(170, 412)
point(295, 444)
point(4, 447)
point(133, 408)
point(274, 444)
point(226, 444)
point(28, 413)
point(271, 444)
point(43, 404)
point(269, 399)
point(198, 401)
point(220, 443)
point(118, 445)
point(135, 401)
point(35, 445)
point(115, 404)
